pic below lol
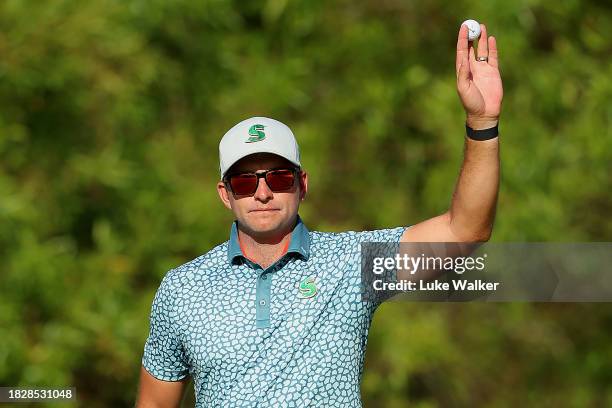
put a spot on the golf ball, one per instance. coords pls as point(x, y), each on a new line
point(473, 29)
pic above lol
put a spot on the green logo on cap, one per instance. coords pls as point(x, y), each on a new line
point(256, 134)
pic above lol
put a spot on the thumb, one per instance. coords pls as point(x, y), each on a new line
point(463, 77)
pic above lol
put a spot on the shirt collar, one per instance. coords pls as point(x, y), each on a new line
point(299, 244)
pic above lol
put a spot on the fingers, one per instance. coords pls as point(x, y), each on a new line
point(493, 58)
point(483, 48)
point(463, 77)
point(462, 62)
point(472, 52)
point(462, 48)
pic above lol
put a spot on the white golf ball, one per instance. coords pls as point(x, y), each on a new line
point(473, 29)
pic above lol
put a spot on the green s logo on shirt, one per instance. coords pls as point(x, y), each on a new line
point(307, 288)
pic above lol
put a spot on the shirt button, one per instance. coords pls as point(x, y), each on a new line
point(262, 303)
point(264, 277)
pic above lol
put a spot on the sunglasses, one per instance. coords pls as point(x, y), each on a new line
point(246, 183)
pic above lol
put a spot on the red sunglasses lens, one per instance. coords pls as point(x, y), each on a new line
point(280, 180)
point(277, 180)
point(243, 184)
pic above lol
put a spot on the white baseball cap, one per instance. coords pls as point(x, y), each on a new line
point(257, 135)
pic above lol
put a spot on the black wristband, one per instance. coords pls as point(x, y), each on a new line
point(482, 134)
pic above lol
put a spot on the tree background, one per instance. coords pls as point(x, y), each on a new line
point(110, 117)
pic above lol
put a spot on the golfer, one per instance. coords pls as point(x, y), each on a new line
point(273, 317)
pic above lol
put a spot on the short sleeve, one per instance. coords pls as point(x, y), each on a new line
point(390, 235)
point(164, 356)
point(372, 244)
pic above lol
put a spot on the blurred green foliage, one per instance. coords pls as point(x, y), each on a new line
point(111, 113)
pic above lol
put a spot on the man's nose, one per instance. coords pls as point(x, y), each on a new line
point(263, 192)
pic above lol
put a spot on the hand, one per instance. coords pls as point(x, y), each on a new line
point(478, 82)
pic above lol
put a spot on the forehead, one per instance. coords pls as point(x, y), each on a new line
point(260, 161)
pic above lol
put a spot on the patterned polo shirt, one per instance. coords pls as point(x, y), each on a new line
point(291, 335)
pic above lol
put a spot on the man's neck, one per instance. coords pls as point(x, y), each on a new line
point(264, 250)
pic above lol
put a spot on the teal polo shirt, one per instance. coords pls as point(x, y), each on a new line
point(290, 335)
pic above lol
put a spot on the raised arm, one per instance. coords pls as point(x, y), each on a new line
point(472, 210)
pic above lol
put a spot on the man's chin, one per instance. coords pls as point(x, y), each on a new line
point(262, 224)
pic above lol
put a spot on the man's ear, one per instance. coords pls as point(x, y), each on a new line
point(303, 185)
point(224, 194)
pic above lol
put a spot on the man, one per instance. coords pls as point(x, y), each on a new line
point(273, 317)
